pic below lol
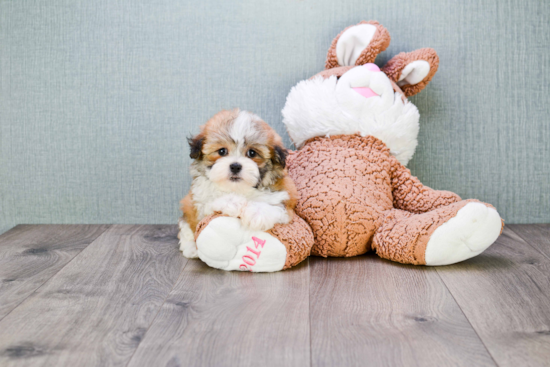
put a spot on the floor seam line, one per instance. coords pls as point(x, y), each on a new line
point(529, 243)
point(160, 309)
point(57, 272)
point(467, 319)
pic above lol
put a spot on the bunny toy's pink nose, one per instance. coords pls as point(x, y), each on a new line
point(366, 91)
point(372, 67)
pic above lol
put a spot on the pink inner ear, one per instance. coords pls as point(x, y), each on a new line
point(365, 92)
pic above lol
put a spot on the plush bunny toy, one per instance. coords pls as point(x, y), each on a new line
point(355, 131)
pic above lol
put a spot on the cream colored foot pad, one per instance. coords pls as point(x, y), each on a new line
point(474, 228)
point(225, 244)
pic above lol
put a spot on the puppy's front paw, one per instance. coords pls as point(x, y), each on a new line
point(229, 204)
point(189, 249)
point(262, 216)
point(187, 240)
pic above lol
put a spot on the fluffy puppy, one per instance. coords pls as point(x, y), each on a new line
point(239, 170)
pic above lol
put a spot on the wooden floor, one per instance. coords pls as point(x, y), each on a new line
point(122, 295)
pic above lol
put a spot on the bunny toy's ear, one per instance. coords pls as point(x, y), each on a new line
point(358, 45)
point(412, 71)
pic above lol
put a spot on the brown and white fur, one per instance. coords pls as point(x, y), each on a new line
point(239, 170)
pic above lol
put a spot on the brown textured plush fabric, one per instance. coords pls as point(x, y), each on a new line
point(409, 194)
point(395, 66)
point(380, 41)
point(347, 184)
point(403, 235)
point(296, 236)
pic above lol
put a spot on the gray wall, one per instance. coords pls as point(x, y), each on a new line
point(97, 96)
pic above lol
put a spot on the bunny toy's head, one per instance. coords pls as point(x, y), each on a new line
point(353, 95)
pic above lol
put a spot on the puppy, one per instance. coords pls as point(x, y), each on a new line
point(239, 170)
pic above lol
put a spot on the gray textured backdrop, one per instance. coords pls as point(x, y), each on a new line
point(97, 96)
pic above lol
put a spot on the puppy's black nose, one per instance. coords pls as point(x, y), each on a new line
point(235, 167)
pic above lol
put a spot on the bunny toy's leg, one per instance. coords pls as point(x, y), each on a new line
point(433, 227)
point(443, 236)
point(224, 243)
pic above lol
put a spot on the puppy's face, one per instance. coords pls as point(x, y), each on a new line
point(237, 150)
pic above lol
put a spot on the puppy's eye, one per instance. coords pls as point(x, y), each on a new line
point(251, 153)
point(222, 152)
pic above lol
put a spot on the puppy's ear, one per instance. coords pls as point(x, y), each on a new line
point(279, 156)
point(195, 146)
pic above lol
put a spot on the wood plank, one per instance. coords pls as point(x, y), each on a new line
point(537, 235)
point(32, 254)
point(505, 294)
point(219, 318)
point(96, 310)
point(369, 311)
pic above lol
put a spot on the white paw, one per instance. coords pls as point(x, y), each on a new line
point(229, 204)
point(189, 249)
point(225, 244)
point(187, 240)
point(474, 228)
point(262, 217)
